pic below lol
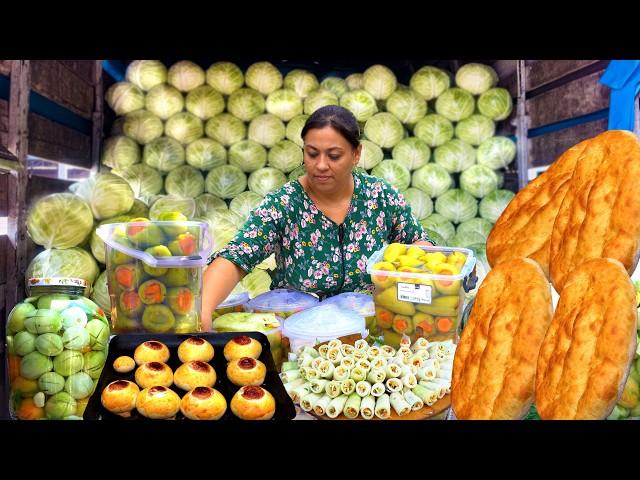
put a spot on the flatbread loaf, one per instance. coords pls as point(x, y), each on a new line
point(600, 213)
point(495, 362)
point(588, 349)
point(524, 228)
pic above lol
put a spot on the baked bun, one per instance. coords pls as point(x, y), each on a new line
point(154, 373)
point(119, 397)
point(600, 214)
point(589, 347)
point(194, 374)
point(124, 364)
point(158, 402)
point(508, 322)
point(195, 349)
point(203, 403)
point(253, 403)
point(242, 346)
point(246, 371)
point(151, 351)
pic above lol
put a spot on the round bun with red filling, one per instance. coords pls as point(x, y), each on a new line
point(203, 403)
point(246, 371)
point(158, 402)
point(253, 403)
point(151, 351)
point(242, 346)
point(195, 349)
point(194, 374)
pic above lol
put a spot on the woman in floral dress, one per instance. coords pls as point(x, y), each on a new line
point(323, 226)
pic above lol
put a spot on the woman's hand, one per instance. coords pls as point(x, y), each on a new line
point(219, 279)
point(423, 242)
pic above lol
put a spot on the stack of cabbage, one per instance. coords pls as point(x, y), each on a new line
point(226, 138)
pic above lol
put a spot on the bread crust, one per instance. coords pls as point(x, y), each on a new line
point(600, 213)
point(589, 347)
point(524, 228)
point(495, 362)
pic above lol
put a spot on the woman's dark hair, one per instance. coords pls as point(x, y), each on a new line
point(339, 118)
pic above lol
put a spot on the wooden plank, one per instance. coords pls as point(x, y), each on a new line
point(42, 186)
point(5, 67)
point(545, 149)
point(4, 123)
point(18, 145)
point(58, 83)
point(579, 97)
point(4, 116)
point(4, 189)
point(97, 116)
point(53, 141)
point(4, 248)
point(541, 72)
point(83, 69)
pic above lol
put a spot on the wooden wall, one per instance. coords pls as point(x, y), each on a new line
point(4, 122)
point(557, 91)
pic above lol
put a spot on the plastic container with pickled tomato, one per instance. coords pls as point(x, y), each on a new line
point(154, 274)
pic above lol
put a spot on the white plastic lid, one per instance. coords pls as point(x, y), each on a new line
point(235, 299)
point(360, 303)
point(324, 322)
point(283, 300)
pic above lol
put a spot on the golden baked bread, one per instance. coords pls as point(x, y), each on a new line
point(151, 351)
point(124, 364)
point(253, 403)
point(158, 402)
point(246, 371)
point(119, 397)
point(194, 374)
point(589, 346)
point(600, 214)
point(203, 403)
point(195, 349)
point(154, 373)
point(494, 367)
point(242, 346)
point(524, 228)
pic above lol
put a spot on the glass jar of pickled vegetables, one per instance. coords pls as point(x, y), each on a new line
point(57, 344)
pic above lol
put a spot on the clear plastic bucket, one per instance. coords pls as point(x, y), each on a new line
point(154, 274)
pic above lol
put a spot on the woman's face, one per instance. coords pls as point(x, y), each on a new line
point(329, 159)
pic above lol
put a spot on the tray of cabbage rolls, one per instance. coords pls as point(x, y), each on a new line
point(339, 380)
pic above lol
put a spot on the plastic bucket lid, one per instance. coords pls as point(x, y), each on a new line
point(199, 259)
point(234, 299)
point(283, 300)
point(324, 322)
point(360, 303)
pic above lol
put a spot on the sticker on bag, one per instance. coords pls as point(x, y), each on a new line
point(414, 293)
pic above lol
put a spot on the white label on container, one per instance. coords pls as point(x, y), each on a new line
point(414, 293)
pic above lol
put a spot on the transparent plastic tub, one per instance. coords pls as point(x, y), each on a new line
point(57, 345)
point(233, 303)
point(154, 271)
point(282, 302)
point(360, 303)
point(419, 290)
point(321, 324)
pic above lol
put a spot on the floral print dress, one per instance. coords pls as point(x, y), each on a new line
point(313, 253)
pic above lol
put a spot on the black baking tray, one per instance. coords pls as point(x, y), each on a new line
point(126, 344)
